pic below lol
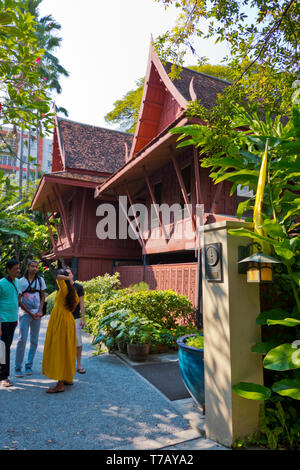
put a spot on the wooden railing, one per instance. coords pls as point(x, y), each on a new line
point(181, 278)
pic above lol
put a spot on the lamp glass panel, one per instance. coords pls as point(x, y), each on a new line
point(253, 273)
point(266, 272)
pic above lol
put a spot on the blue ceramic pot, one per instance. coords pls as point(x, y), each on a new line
point(191, 365)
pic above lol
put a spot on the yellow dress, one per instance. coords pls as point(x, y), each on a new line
point(59, 358)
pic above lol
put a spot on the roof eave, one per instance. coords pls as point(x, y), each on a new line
point(141, 156)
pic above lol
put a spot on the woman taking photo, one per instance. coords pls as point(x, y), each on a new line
point(59, 359)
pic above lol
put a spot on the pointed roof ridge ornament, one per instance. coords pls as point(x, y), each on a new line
point(192, 90)
point(59, 139)
point(126, 152)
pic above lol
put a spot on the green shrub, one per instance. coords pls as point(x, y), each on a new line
point(163, 307)
point(104, 285)
point(50, 302)
point(140, 286)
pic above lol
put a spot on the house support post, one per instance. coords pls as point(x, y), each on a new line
point(75, 267)
point(199, 197)
point(150, 189)
point(144, 266)
point(216, 198)
point(128, 220)
point(136, 218)
point(55, 223)
point(49, 228)
point(182, 187)
point(82, 210)
point(230, 309)
point(63, 215)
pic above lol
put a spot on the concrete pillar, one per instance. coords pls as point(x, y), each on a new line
point(230, 309)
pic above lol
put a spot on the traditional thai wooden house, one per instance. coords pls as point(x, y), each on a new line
point(90, 167)
point(157, 172)
point(83, 157)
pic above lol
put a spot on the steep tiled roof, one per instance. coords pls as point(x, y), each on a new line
point(93, 148)
point(205, 86)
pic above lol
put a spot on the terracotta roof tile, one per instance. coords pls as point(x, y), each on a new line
point(93, 148)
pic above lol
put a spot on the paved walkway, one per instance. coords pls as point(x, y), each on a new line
point(110, 407)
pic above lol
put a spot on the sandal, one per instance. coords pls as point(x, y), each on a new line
point(81, 370)
point(6, 383)
point(55, 390)
point(68, 383)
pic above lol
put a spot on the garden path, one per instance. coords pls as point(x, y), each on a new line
point(109, 407)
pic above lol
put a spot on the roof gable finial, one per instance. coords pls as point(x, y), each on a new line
point(192, 90)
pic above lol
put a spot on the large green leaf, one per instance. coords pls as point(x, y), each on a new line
point(19, 233)
point(288, 388)
point(285, 322)
point(243, 232)
point(284, 253)
point(283, 357)
point(274, 314)
point(273, 229)
point(244, 206)
point(252, 391)
point(264, 347)
point(5, 18)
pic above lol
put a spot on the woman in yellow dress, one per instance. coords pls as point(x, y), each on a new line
point(59, 358)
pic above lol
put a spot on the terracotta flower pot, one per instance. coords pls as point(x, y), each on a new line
point(159, 348)
point(138, 352)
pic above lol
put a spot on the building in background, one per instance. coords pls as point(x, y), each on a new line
point(42, 152)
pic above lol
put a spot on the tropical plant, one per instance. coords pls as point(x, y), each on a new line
point(25, 96)
point(137, 330)
point(265, 156)
point(110, 327)
point(46, 29)
point(123, 325)
point(22, 234)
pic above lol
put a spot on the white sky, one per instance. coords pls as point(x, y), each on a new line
point(105, 49)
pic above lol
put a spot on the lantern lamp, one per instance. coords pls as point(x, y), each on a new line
point(259, 267)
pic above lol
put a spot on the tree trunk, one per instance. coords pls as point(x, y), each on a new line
point(21, 163)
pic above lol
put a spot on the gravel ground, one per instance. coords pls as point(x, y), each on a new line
point(109, 407)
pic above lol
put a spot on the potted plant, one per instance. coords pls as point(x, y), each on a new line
point(161, 340)
point(138, 331)
point(191, 365)
point(110, 327)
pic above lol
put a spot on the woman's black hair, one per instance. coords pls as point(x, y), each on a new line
point(71, 295)
point(11, 263)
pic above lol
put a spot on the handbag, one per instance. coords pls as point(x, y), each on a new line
point(2, 352)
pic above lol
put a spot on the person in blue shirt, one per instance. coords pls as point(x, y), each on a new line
point(9, 306)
